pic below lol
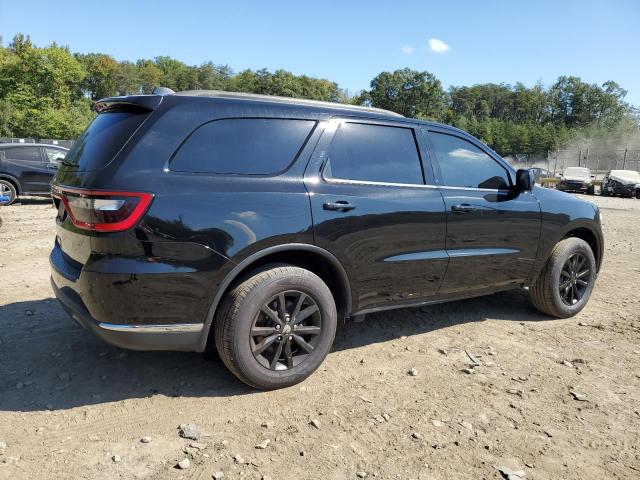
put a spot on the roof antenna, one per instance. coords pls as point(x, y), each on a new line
point(162, 91)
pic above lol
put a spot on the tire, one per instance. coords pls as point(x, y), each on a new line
point(7, 188)
point(545, 292)
point(241, 316)
point(591, 190)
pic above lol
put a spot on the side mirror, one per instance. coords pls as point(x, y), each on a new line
point(593, 176)
point(524, 180)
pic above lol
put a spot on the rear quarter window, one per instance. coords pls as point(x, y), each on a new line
point(103, 139)
point(249, 146)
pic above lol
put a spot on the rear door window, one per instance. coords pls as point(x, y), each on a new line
point(28, 154)
point(103, 139)
point(374, 153)
point(250, 146)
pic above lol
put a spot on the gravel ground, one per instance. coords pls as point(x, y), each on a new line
point(549, 398)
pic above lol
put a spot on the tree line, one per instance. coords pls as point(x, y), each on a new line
point(48, 92)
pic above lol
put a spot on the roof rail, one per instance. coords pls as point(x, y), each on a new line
point(289, 100)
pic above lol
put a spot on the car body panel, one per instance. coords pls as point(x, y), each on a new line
point(393, 231)
point(498, 236)
point(561, 214)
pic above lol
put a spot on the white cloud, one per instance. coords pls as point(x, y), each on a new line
point(406, 49)
point(466, 154)
point(438, 46)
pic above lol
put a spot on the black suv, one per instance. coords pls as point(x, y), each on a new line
point(250, 224)
point(27, 169)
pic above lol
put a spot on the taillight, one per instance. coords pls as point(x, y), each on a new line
point(102, 211)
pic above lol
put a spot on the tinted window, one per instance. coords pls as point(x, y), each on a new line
point(24, 153)
point(242, 145)
point(462, 164)
point(103, 139)
point(374, 153)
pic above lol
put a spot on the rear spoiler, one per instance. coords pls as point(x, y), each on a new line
point(140, 103)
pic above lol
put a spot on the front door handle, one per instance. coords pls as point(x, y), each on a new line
point(463, 208)
point(339, 206)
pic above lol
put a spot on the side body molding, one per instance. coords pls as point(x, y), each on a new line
point(251, 259)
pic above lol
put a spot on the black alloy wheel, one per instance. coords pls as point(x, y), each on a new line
point(285, 330)
point(574, 278)
point(563, 287)
point(276, 327)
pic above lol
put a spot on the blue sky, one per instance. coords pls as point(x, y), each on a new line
point(351, 41)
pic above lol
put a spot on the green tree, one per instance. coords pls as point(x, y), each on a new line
point(409, 92)
point(150, 76)
point(101, 73)
point(38, 89)
point(127, 79)
point(47, 92)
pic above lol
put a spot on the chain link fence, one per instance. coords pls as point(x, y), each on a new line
point(598, 161)
point(48, 141)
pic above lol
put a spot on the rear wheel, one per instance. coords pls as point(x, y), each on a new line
point(564, 286)
point(7, 190)
point(275, 328)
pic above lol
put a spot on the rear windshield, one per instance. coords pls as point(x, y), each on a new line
point(103, 139)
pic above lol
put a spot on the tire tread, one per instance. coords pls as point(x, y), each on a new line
point(225, 318)
point(542, 291)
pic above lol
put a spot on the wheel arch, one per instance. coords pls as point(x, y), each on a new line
point(310, 257)
point(13, 180)
point(588, 235)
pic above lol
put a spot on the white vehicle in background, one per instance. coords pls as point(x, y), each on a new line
point(625, 183)
point(576, 179)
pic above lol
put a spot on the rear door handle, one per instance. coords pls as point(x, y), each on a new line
point(339, 206)
point(463, 208)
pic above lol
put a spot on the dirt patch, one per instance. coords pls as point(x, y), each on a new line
point(553, 398)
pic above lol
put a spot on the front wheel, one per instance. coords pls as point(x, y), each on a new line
point(275, 328)
point(566, 282)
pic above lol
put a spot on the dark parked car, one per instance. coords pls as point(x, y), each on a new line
point(625, 183)
point(576, 179)
point(250, 225)
point(27, 169)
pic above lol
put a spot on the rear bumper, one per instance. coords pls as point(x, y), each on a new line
point(139, 307)
point(182, 337)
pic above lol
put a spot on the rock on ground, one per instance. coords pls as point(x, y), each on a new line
point(113, 398)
